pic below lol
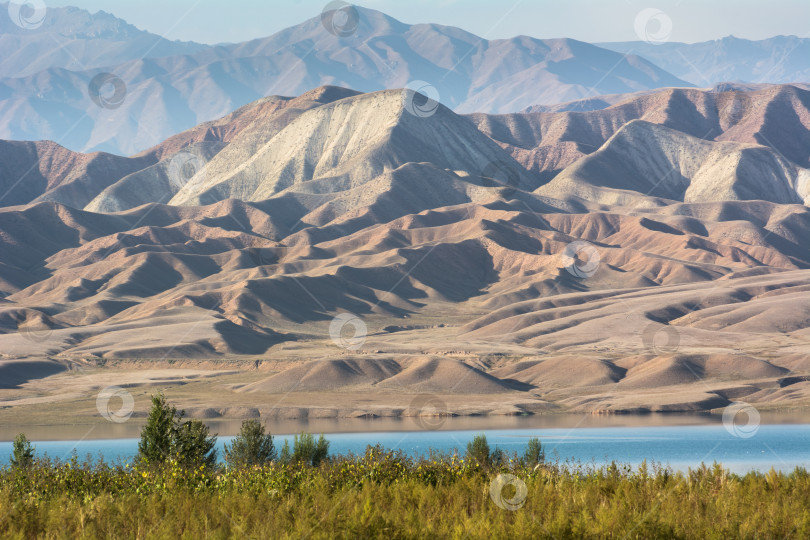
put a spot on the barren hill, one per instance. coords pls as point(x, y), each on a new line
point(776, 115)
point(649, 159)
point(347, 145)
point(177, 159)
point(592, 292)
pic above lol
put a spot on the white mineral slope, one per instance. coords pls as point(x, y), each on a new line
point(353, 143)
point(656, 161)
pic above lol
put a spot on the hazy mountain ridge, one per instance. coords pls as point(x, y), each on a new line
point(74, 39)
point(166, 95)
point(779, 60)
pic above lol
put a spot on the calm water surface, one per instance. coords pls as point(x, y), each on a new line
point(677, 441)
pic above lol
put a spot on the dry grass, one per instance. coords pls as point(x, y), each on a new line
point(385, 495)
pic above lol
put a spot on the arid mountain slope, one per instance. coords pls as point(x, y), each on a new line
point(468, 280)
point(347, 145)
point(649, 159)
point(183, 155)
point(45, 171)
point(545, 143)
point(775, 116)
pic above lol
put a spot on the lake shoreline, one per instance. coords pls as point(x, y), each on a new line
point(129, 429)
point(766, 446)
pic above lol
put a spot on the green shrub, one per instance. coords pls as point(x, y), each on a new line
point(251, 447)
point(308, 451)
point(478, 450)
point(22, 455)
point(157, 436)
point(165, 436)
point(286, 454)
point(534, 454)
point(193, 446)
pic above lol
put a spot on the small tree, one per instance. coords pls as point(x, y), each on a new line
point(158, 435)
point(306, 450)
point(478, 450)
point(286, 453)
point(251, 447)
point(23, 452)
point(499, 457)
point(165, 436)
point(534, 454)
point(193, 446)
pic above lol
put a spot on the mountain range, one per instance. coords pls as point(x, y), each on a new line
point(779, 60)
point(166, 87)
point(776, 116)
point(543, 225)
point(474, 273)
point(70, 38)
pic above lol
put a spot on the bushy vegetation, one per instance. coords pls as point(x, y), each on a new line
point(306, 450)
point(166, 437)
point(305, 493)
point(253, 446)
point(384, 494)
point(22, 454)
point(478, 450)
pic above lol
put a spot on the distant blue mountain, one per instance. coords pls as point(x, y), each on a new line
point(44, 95)
point(781, 59)
point(72, 38)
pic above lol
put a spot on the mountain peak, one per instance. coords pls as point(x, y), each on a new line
point(348, 144)
point(76, 23)
point(328, 93)
point(658, 161)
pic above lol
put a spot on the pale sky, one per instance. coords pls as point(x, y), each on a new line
point(214, 21)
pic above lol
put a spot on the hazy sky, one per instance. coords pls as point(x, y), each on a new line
point(212, 21)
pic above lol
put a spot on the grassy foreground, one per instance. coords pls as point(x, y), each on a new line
point(388, 495)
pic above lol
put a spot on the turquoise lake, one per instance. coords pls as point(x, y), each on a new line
point(778, 446)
